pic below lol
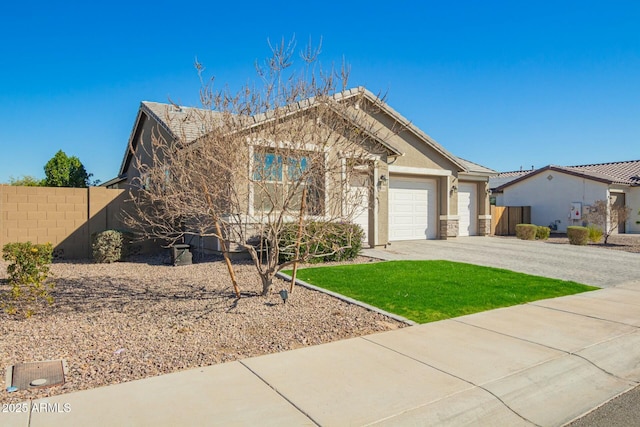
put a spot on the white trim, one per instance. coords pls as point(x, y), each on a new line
point(286, 145)
point(374, 210)
point(418, 171)
point(464, 176)
point(360, 156)
point(449, 217)
point(484, 216)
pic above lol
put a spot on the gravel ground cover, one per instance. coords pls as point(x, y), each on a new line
point(618, 242)
point(119, 322)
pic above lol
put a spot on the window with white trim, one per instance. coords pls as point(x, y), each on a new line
point(279, 179)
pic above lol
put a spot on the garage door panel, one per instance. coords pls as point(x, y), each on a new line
point(412, 209)
point(404, 220)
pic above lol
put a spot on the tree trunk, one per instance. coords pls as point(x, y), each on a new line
point(267, 281)
point(298, 239)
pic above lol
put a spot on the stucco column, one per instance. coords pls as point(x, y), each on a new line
point(448, 207)
point(484, 209)
point(381, 204)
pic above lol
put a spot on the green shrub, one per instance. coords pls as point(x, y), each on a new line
point(577, 235)
point(542, 232)
point(337, 241)
point(595, 233)
point(28, 273)
point(526, 231)
point(110, 246)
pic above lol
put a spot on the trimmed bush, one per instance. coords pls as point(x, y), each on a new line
point(595, 233)
point(28, 277)
point(542, 232)
point(339, 241)
point(577, 235)
point(110, 246)
point(526, 231)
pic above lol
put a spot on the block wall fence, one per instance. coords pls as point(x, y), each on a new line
point(66, 217)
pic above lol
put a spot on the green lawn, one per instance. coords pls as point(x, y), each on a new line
point(426, 291)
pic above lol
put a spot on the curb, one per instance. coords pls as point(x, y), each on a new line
point(347, 299)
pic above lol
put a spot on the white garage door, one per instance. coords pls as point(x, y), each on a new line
point(467, 211)
point(412, 209)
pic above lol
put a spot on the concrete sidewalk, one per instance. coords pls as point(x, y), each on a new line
point(543, 363)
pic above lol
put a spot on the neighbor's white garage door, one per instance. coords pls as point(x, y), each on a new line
point(467, 211)
point(412, 209)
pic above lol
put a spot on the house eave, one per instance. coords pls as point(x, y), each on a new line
point(554, 169)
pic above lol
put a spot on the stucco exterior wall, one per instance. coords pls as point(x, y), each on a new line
point(419, 159)
point(550, 194)
point(142, 141)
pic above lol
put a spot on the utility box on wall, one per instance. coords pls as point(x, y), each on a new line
point(576, 210)
point(181, 255)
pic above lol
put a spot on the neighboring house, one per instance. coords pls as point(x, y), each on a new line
point(560, 196)
point(416, 188)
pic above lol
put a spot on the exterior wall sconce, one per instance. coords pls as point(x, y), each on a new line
point(383, 179)
point(454, 189)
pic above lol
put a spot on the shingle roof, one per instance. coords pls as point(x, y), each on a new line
point(185, 123)
point(472, 167)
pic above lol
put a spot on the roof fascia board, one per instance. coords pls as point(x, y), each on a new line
point(408, 170)
point(555, 169)
point(129, 149)
point(473, 176)
point(160, 121)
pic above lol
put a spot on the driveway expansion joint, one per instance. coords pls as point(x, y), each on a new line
point(279, 393)
point(471, 383)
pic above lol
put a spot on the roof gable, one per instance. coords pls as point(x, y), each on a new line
point(622, 173)
point(406, 124)
point(186, 124)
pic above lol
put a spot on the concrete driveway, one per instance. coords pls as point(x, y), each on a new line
point(583, 264)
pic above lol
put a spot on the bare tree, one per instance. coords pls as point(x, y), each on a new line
point(607, 215)
point(263, 148)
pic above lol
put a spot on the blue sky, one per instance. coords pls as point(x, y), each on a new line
point(502, 83)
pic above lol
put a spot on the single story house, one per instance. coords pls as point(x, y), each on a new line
point(560, 196)
point(417, 189)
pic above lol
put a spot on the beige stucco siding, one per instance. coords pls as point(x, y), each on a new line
point(420, 158)
point(146, 131)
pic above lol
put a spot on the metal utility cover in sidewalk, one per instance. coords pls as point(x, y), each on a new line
point(36, 374)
